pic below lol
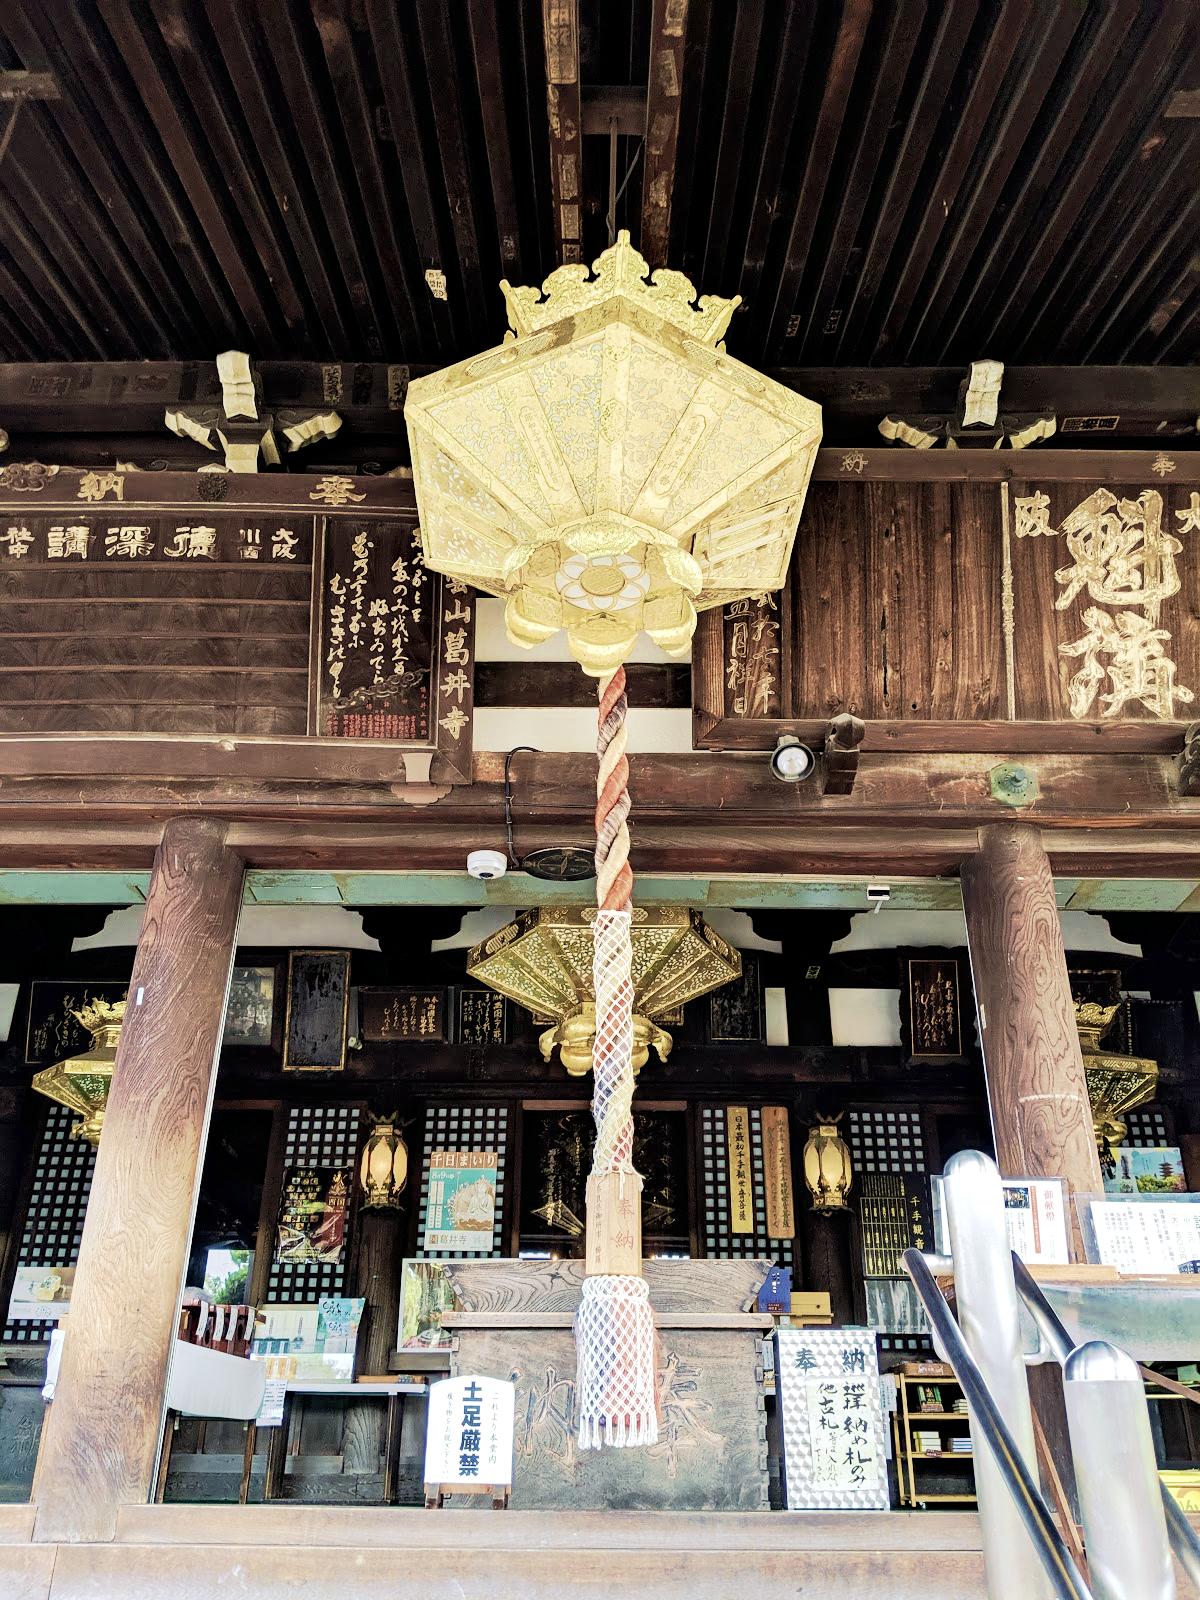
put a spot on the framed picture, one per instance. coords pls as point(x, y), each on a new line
point(312, 1215)
point(425, 1293)
point(415, 1015)
point(250, 1013)
point(934, 1010)
point(317, 1004)
point(482, 1017)
point(735, 1013)
point(53, 1031)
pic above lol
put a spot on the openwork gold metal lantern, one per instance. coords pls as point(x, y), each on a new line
point(1116, 1083)
point(609, 468)
point(82, 1082)
point(543, 961)
point(383, 1168)
point(828, 1171)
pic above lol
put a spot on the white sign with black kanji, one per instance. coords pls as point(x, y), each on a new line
point(469, 1442)
point(834, 1450)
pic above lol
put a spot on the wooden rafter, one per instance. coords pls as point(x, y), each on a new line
point(667, 37)
point(560, 25)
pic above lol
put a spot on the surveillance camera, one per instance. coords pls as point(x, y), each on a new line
point(790, 760)
point(487, 864)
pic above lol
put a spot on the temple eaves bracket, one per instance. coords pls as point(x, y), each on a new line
point(240, 428)
point(977, 423)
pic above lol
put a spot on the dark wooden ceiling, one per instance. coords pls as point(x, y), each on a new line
point(883, 181)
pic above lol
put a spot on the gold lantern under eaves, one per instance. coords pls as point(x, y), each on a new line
point(827, 1167)
point(1116, 1083)
point(543, 961)
point(609, 468)
point(383, 1167)
point(82, 1082)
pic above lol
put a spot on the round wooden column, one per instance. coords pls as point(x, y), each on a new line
point(101, 1437)
point(1041, 1117)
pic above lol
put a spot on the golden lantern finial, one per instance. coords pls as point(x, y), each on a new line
point(610, 469)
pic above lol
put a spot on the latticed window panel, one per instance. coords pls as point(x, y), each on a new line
point(885, 1141)
point(719, 1238)
point(466, 1128)
point(317, 1136)
point(1148, 1128)
point(62, 1181)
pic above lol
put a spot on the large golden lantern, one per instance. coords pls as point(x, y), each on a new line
point(1116, 1083)
point(610, 468)
point(82, 1082)
point(543, 961)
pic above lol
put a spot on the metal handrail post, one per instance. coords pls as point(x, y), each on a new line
point(1119, 1490)
point(1063, 1575)
point(1185, 1541)
point(989, 1316)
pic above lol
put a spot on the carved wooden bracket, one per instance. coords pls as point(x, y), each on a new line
point(843, 738)
point(1189, 762)
point(240, 428)
point(977, 422)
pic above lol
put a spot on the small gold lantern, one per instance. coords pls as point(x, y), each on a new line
point(543, 961)
point(82, 1082)
point(827, 1168)
point(383, 1170)
point(1116, 1083)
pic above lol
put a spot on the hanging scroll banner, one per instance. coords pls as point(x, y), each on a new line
point(777, 1166)
point(741, 1176)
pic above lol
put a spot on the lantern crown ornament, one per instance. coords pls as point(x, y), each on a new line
point(610, 469)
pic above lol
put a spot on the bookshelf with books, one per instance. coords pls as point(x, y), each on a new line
point(932, 1433)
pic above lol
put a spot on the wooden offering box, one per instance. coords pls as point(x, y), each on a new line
point(711, 1454)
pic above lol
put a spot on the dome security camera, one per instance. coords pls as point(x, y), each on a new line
point(486, 864)
point(792, 761)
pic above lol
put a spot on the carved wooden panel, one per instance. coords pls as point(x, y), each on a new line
point(942, 613)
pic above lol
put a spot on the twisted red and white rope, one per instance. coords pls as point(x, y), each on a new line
point(614, 876)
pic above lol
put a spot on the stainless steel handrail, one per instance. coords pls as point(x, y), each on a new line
point(1185, 1541)
point(1049, 1543)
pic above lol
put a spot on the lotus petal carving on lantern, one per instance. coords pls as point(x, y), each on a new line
point(610, 469)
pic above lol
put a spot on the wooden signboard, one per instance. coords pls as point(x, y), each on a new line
point(317, 1005)
point(393, 645)
point(284, 607)
point(741, 1170)
point(945, 612)
point(735, 1011)
point(934, 1009)
point(417, 1015)
point(777, 1169)
point(482, 1017)
point(53, 1031)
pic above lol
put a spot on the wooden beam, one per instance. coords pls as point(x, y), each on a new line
point(1041, 1116)
point(560, 29)
point(18, 87)
point(668, 29)
point(65, 397)
point(555, 683)
point(101, 1436)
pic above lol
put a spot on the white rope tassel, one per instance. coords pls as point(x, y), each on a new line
point(614, 1332)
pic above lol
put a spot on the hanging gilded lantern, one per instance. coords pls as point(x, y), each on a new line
point(1115, 1083)
point(82, 1082)
point(383, 1169)
point(609, 468)
point(543, 961)
point(827, 1168)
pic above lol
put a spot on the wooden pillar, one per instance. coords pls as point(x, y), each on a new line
point(102, 1432)
point(1041, 1117)
point(377, 1278)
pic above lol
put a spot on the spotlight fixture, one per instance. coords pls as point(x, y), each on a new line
point(790, 760)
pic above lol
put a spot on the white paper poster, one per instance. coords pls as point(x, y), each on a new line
point(469, 1437)
point(834, 1441)
point(1147, 1236)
